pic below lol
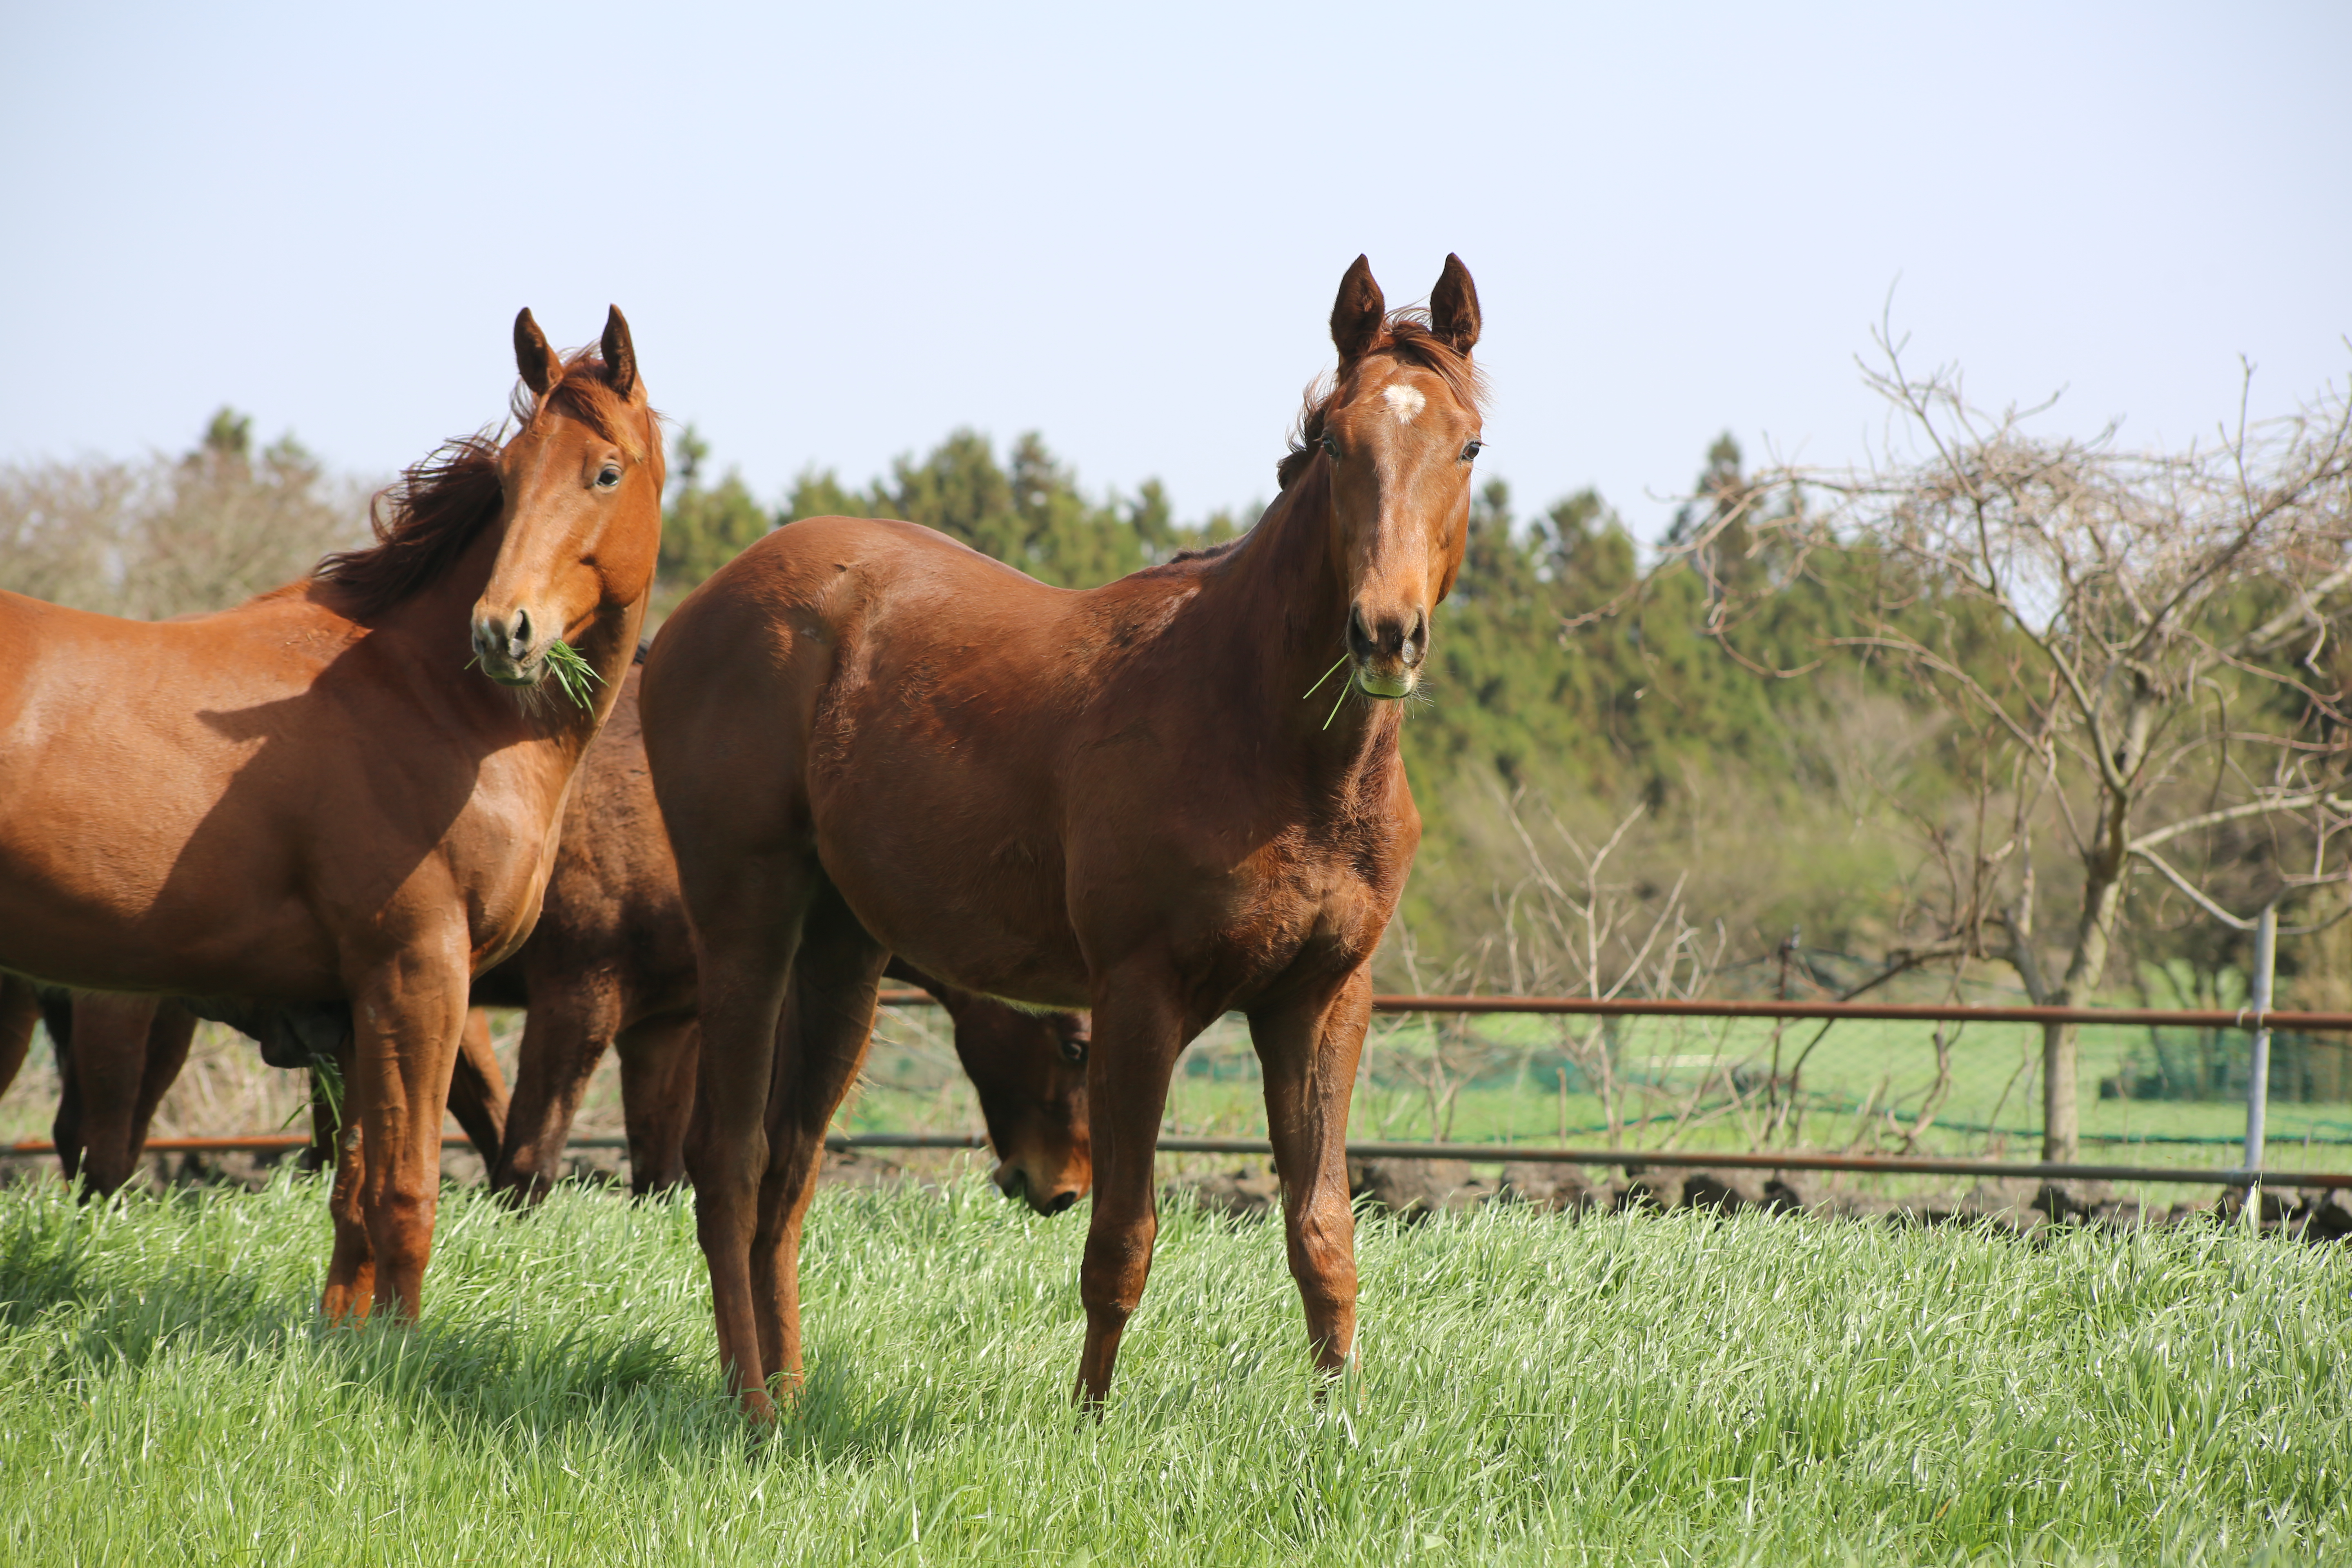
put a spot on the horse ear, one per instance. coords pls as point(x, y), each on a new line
point(1357, 313)
point(1454, 306)
point(620, 355)
point(540, 367)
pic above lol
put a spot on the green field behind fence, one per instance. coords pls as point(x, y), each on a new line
point(1687, 1084)
point(1518, 1085)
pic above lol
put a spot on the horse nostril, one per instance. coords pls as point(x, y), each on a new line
point(1416, 642)
point(1061, 1201)
point(1360, 638)
point(520, 640)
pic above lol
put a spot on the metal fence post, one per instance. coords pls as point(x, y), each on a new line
point(2258, 1071)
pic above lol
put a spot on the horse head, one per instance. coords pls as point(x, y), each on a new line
point(581, 485)
point(1030, 1071)
point(1398, 429)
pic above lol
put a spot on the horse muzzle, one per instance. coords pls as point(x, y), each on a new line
point(1388, 650)
point(1013, 1183)
point(504, 648)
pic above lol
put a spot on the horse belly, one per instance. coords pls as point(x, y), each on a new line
point(135, 903)
point(941, 873)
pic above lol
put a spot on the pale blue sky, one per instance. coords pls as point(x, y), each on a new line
point(840, 231)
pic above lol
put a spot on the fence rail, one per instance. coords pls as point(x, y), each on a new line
point(1477, 1154)
point(1897, 1011)
point(2246, 1019)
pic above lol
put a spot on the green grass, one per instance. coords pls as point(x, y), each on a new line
point(1638, 1390)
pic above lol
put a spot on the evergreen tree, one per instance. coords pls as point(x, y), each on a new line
point(704, 527)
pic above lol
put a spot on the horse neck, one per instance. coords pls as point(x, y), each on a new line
point(1288, 595)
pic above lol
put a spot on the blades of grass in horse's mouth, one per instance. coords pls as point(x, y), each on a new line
point(1336, 702)
point(571, 672)
point(1320, 679)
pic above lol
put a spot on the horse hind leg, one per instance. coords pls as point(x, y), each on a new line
point(477, 1089)
point(746, 919)
point(658, 1069)
point(20, 1009)
point(111, 1036)
point(169, 1038)
point(821, 1038)
point(566, 1033)
point(65, 1130)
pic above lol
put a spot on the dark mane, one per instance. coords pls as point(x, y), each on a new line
point(1404, 335)
point(442, 504)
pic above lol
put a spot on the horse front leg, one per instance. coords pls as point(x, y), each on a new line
point(351, 1267)
point(1308, 1053)
point(407, 1019)
point(1139, 1031)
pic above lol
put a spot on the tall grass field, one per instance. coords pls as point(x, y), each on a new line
point(1630, 1389)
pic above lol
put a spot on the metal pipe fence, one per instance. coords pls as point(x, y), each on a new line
point(1474, 1153)
point(2257, 1021)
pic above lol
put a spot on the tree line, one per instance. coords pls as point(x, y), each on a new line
point(2016, 704)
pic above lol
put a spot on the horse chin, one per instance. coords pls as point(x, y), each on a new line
point(1387, 687)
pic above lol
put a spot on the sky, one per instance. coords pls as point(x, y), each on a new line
point(840, 231)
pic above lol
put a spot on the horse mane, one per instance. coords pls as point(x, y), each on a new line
point(442, 504)
point(1406, 334)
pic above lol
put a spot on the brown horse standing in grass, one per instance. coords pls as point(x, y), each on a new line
point(1161, 798)
point(310, 800)
point(610, 966)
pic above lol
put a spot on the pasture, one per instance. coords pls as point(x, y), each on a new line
point(1624, 1389)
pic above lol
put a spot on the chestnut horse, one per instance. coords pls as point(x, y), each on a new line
point(1159, 798)
point(310, 800)
point(610, 966)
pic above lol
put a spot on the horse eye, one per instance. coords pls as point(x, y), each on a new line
point(1075, 1052)
point(609, 478)
point(1470, 452)
point(1330, 443)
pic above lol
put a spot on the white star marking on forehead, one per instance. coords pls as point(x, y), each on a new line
point(1403, 400)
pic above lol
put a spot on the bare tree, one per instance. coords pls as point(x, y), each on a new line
point(2149, 643)
point(172, 535)
point(1574, 923)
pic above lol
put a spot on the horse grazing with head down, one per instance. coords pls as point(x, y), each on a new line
point(310, 804)
point(1161, 799)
